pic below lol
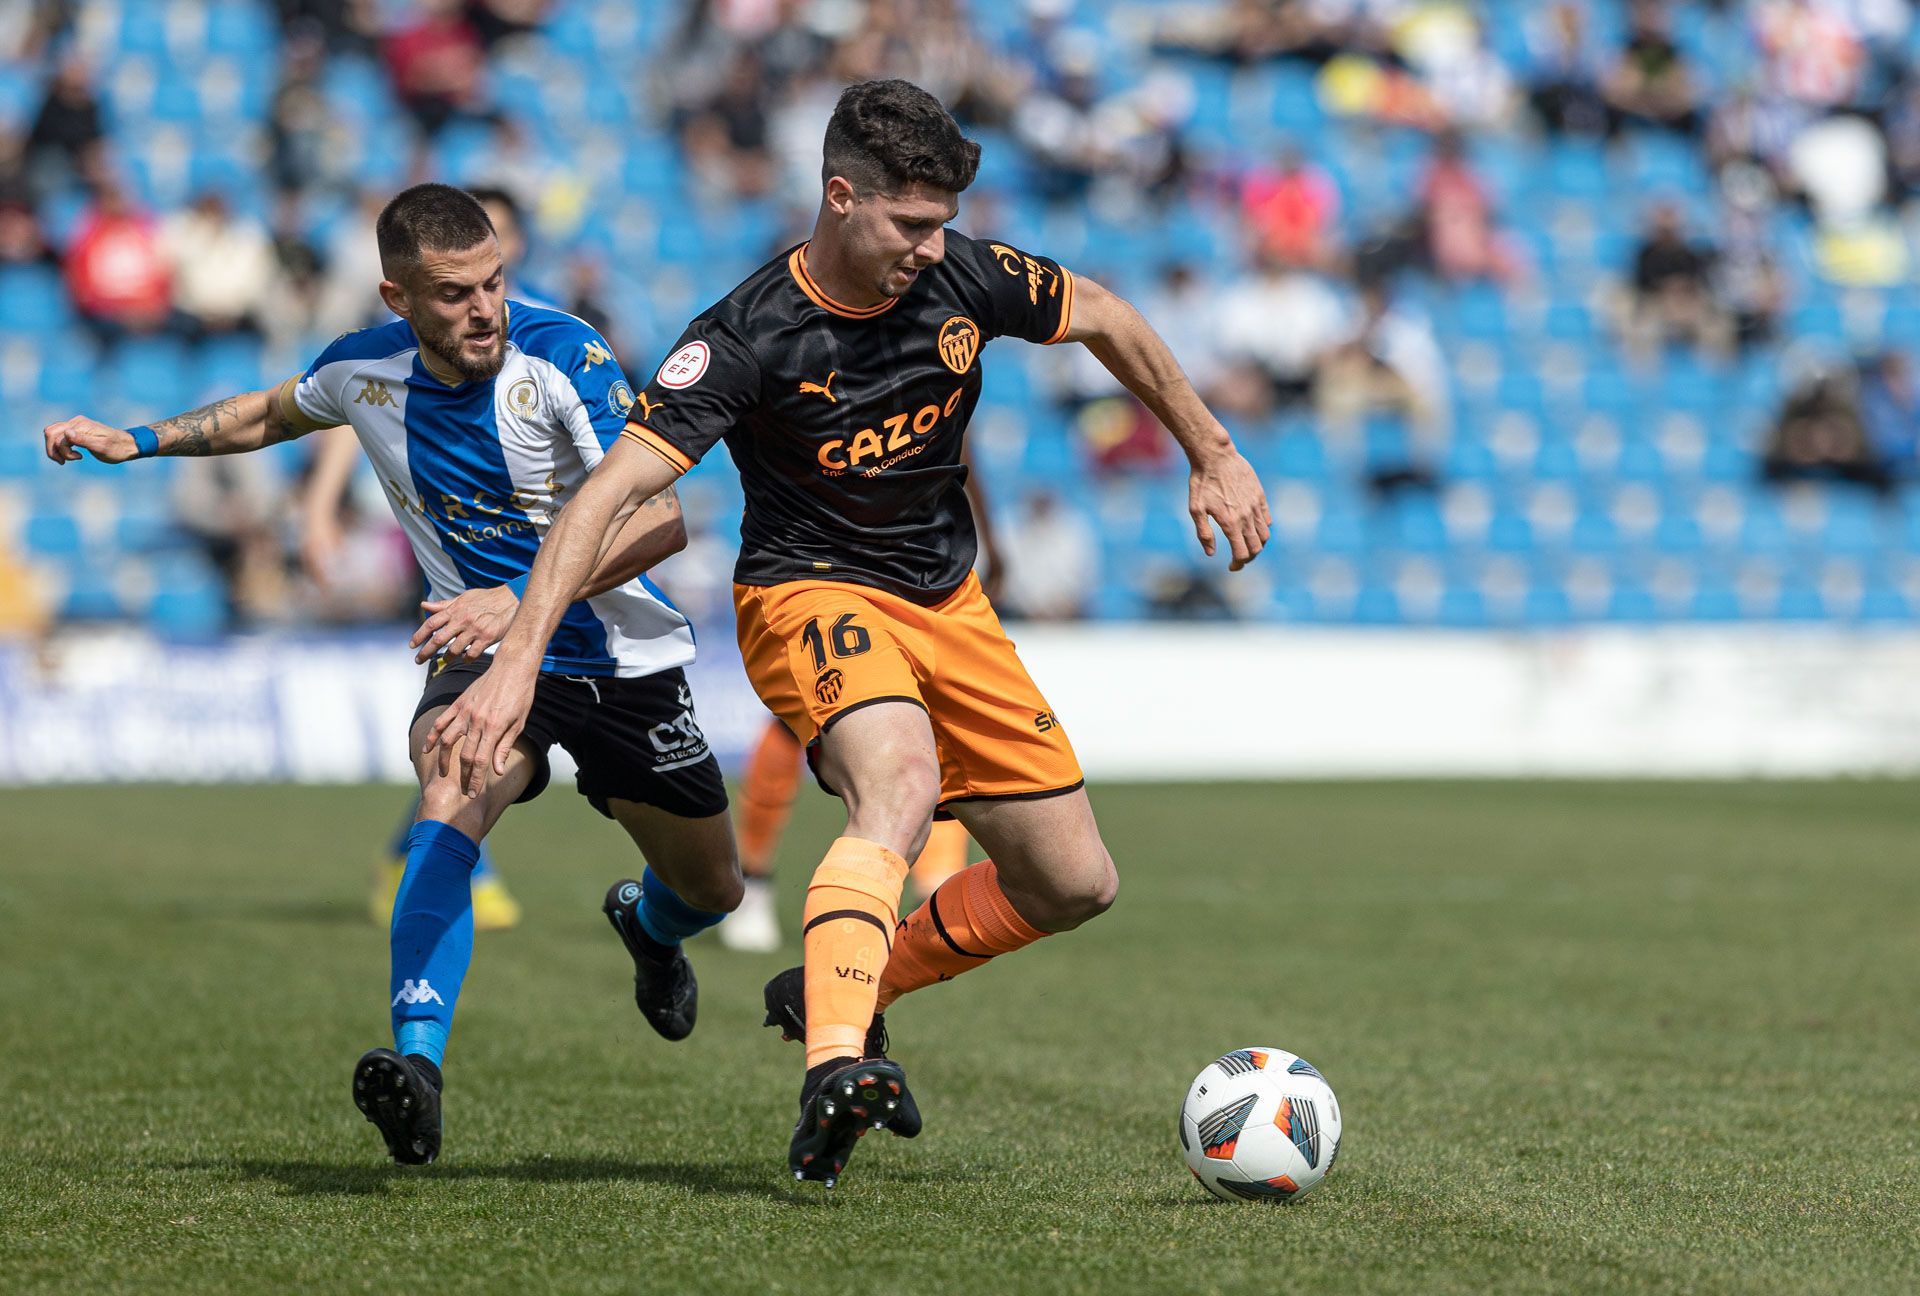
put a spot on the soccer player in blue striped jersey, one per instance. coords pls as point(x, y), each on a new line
point(482, 417)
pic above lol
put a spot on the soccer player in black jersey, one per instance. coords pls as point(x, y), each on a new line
point(841, 376)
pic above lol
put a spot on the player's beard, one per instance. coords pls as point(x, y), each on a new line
point(449, 345)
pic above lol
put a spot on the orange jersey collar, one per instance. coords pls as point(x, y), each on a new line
point(797, 266)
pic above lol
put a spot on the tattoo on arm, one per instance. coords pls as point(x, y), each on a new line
point(191, 433)
point(665, 499)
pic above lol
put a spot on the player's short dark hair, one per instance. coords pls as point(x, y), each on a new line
point(428, 218)
point(885, 135)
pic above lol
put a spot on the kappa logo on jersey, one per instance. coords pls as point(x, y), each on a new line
point(523, 397)
point(822, 389)
point(620, 398)
point(684, 367)
point(1014, 262)
point(597, 354)
point(417, 992)
point(374, 392)
point(959, 343)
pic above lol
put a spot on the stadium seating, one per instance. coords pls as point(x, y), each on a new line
point(1574, 487)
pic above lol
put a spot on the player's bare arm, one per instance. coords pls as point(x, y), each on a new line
point(473, 622)
point(326, 489)
point(232, 425)
point(480, 727)
point(1223, 486)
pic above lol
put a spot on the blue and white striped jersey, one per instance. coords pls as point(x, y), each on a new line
point(476, 472)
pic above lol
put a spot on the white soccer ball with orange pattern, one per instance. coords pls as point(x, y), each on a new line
point(1260, 1124)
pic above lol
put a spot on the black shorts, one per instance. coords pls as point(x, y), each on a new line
point(633, 739)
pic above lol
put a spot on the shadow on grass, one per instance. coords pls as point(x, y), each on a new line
point(327, 1179)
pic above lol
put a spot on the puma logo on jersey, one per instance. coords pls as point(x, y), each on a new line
point(375, 393)
point(418, 992)
point(597, 354)
point(647, 406)
point(822, 389)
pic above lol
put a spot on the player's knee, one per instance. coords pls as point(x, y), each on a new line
point(1082, 896)
point(714, 890)
point(443, 800)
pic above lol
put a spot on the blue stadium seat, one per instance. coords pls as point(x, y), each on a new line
point(53, 535)
point(32, 300)
point(91, 596)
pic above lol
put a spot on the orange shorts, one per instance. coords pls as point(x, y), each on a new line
point(816, 650)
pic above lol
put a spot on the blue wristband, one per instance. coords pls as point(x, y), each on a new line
point(146, 441)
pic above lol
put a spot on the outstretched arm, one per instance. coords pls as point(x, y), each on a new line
point(233, 425)
point(482, 724)
point(470, 623)
point(1223, 486)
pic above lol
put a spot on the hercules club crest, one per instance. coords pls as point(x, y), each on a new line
point(959, 343)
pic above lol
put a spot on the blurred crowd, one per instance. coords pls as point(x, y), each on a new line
point(1320, 311)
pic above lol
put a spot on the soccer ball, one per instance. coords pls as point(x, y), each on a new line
point(1260, 1124)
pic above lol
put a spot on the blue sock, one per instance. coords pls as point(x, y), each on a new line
point(665, 916)
point(432, 937)
point(403, 837)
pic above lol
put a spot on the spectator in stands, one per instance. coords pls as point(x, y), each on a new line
point(1902, 126)
point(116, 273)
point(368, 574)
point(346, 26)
point(300, 123)
point(1566, 72)
point(1890, 413)
point(222, 266)
point(586, 286)
point(1651, 84)
point(1291, 210)
point(296, 280)
point(438, 66)
point(1467, 83)
point(1747, 281)
point(348, 298)
point(26, 612)
point(504, 20)
point(1819, 435)
point(21, 240)
point(1275, 327)
point(1456, 212)
point(1672, 297)
point(1058, 125)
point(64, 144)
point(1814, 53)
point(725, 138)
point(230, 504)
point(1753, 130)
point(1390, 362)
point(1052, 558)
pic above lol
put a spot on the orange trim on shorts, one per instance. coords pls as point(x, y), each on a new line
point(797, 265)
point(1066, 309)
point(640, 434)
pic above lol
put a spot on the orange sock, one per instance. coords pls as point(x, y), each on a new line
point(944, 856)
point(766, 797)
point(962, 925)
point(853, 904)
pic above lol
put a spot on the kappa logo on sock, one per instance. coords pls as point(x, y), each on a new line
point(412, 992)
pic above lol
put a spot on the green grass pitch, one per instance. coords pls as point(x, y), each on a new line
point(1587, 1038)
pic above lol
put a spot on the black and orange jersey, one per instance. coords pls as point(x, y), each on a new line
point(845, 422)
